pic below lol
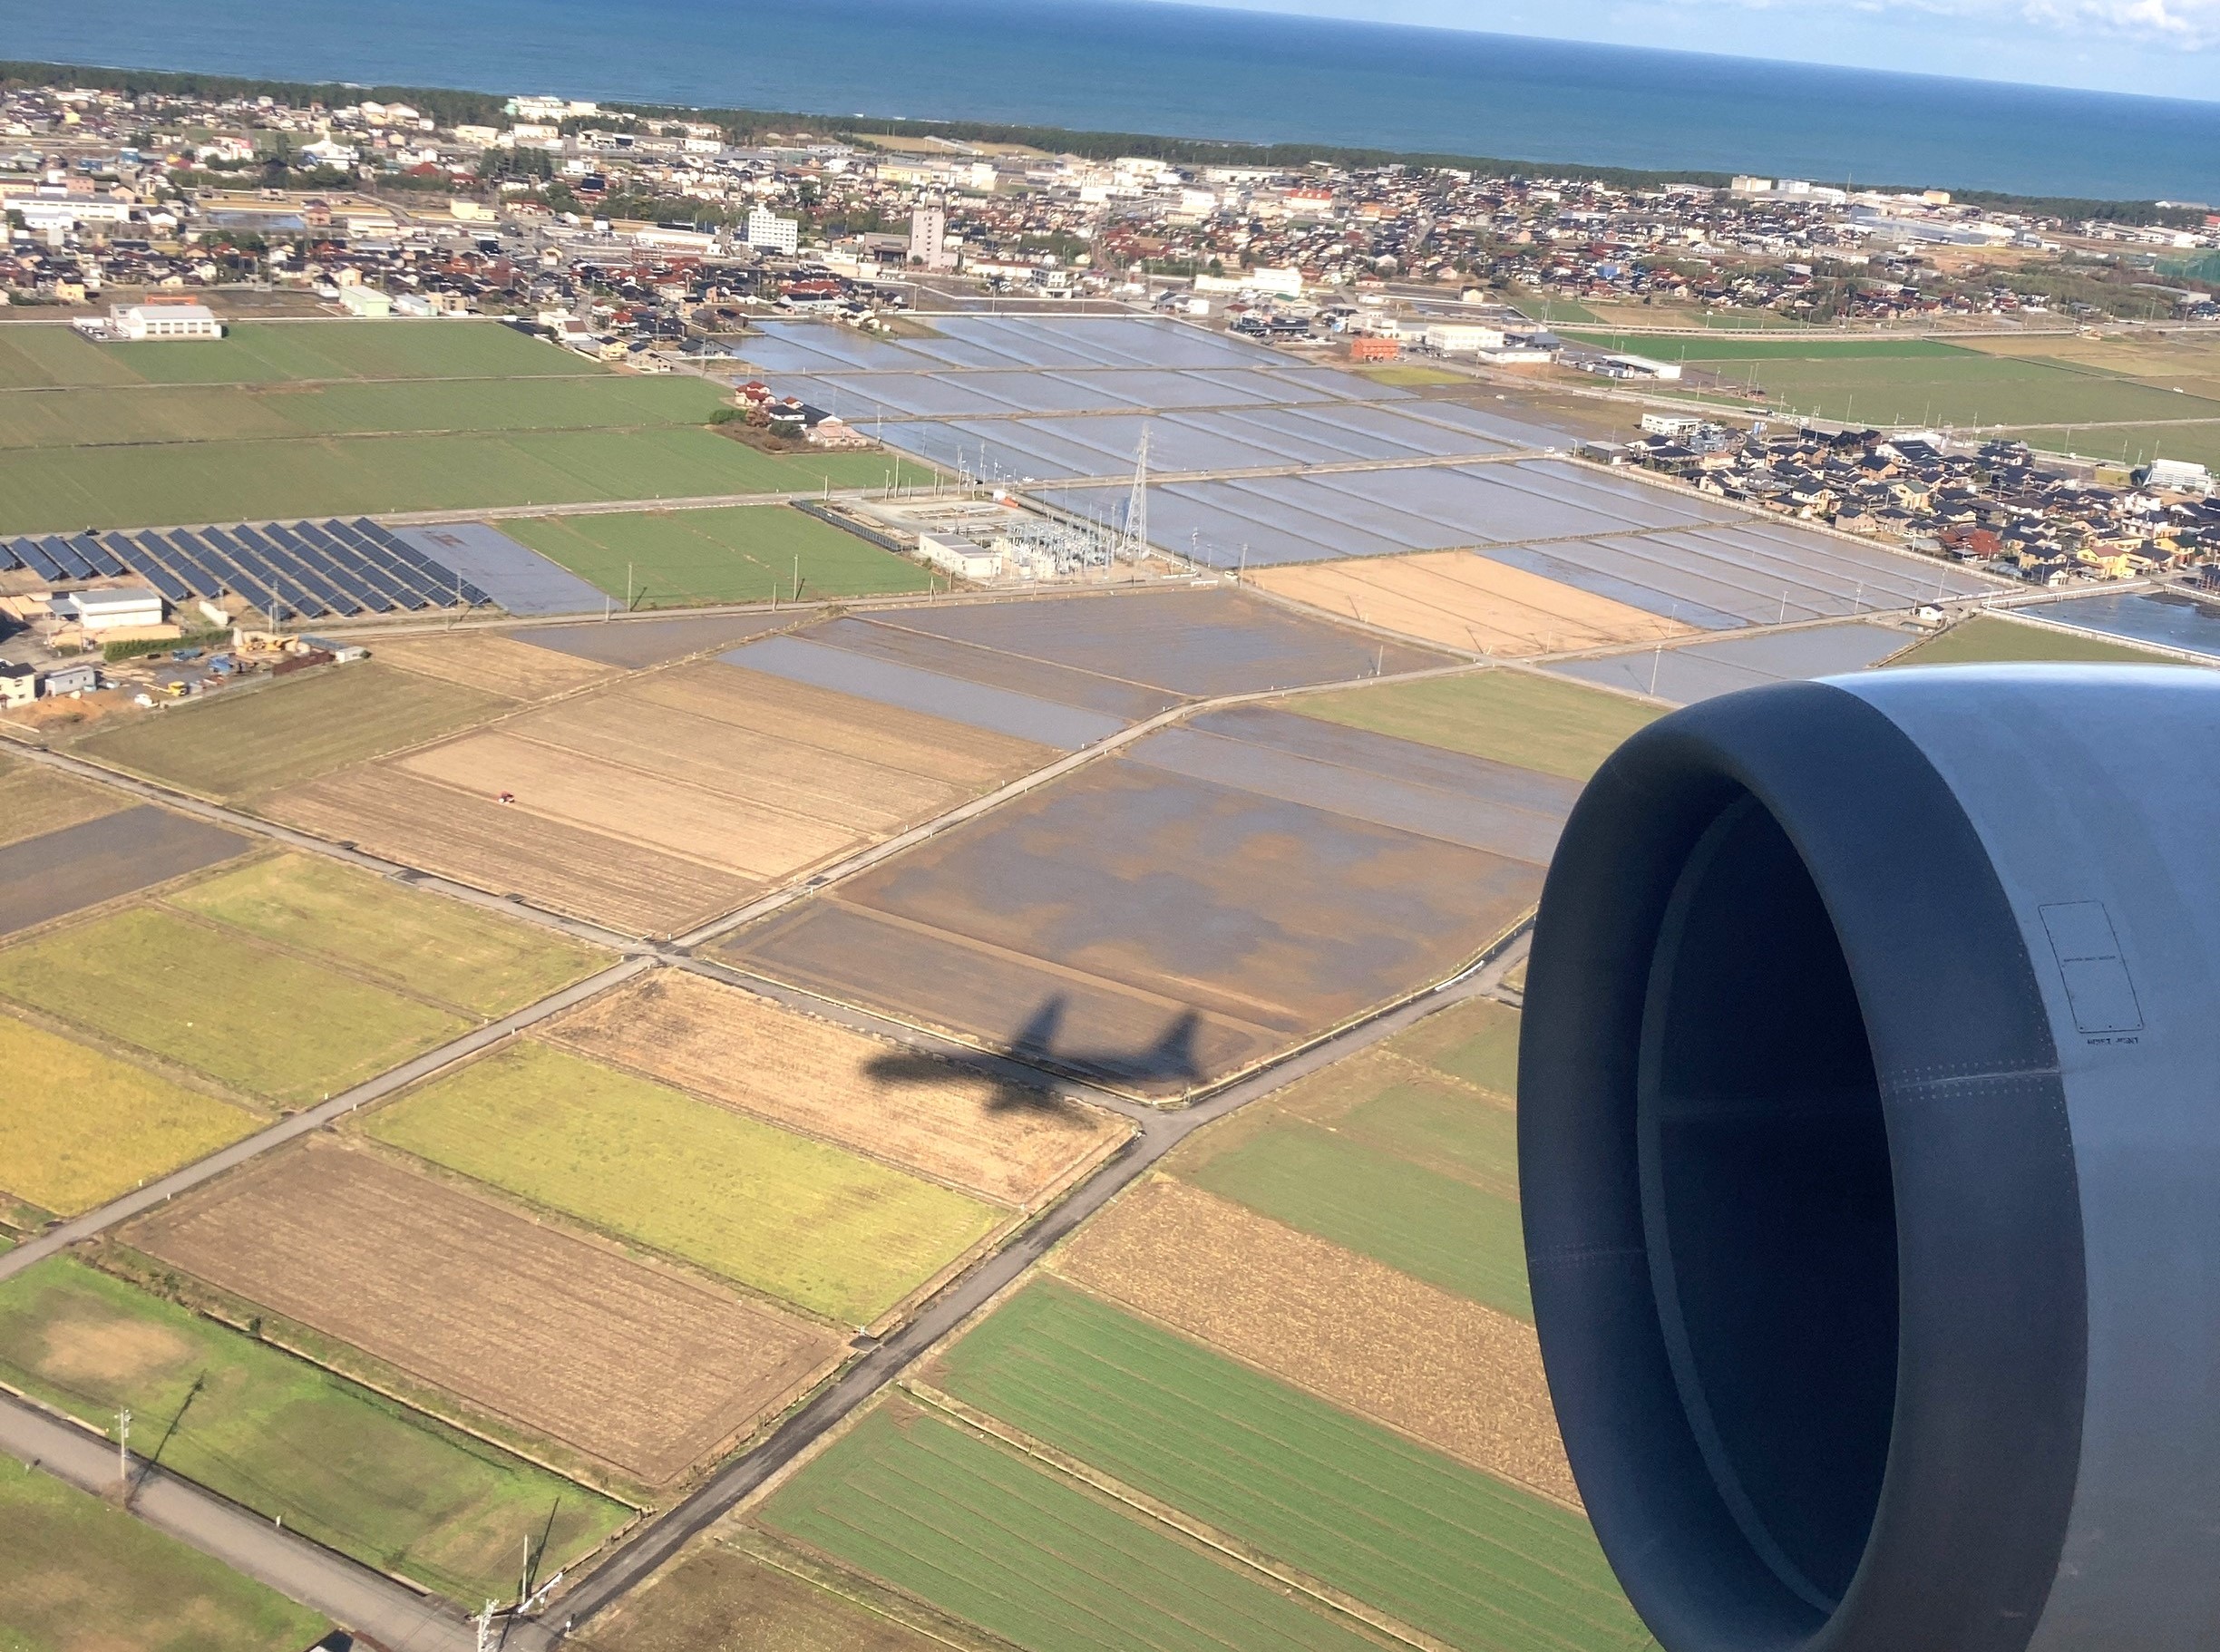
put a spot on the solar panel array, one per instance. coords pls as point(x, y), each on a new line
point(307, 570)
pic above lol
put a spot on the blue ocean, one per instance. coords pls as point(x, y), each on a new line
point(1132, 66)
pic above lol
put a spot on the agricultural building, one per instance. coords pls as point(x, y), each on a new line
point(366, 301)
point(172, 321)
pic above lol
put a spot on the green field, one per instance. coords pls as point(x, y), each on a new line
point(1985, 638)
point(1512, 716)
point(265, 1022)
point(80, 1128)
point(77, 1574)
point(743, 553)
point(70, 488)
point(341, 1465)
point(269, 353)
point(718, 1600)
point(2132, 444)
point(1477, 1041)
point(1441, 1547)
point(833, 1233)
point(241, 743)
point(1025, 1554)
point(478, 961)
point(1443, 1228)
point(1915, 381)
point(1441, 1128)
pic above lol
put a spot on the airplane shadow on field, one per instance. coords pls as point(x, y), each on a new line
point(1172, 1056)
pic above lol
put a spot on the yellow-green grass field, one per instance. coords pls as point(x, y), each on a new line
point(76, 1572)
point(719, 1598)
point(64, 490)
point(742, 553)
point(79, 1128)
point(1450, 1551)
point(1410, 375)
point(832, 1233)
point(1985, 638)
point(269, 353)
point(1477, 1041)
point(34, 800)
point(1890, 381)
point(477, 961)
point(215, 1000)
point(2129, 445)
point(1512, 716)
point(1004, 1542)
point(245, 742)
point(342, 1465)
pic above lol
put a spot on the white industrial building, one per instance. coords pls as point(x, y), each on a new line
point(144, 321)
point(773, 233)
point(117, 608)
point(1462, 338)
point(366, 301)
point(965, 557)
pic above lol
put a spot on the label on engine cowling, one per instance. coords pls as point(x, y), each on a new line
point(2098, 984)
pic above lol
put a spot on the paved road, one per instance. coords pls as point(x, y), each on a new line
point(310, 1118)
point(367, 1602)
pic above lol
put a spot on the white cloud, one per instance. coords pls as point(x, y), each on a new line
point(2179, 26)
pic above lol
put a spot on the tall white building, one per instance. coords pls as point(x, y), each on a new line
point(929, 237)
point(766, 230)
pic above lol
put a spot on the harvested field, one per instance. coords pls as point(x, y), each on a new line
point(633, 644)
point(926, 1115)
point(717, 1599)
point(1274, 915)
point(35, 801)
point(1439, 1546)
point(264, 1020)
point(832, 1233)
point(246, 742)
point(81, 1128)
point(1200, 643)
point(554, 783)
point(1512, 716)
point(635, 1366)
point(1446, 1371)
point(989, 1536)
point(265, 1430)
point(96, 861)
point(471, 837)
point(1443, 1229)
point(1465, 601)
point(1984, 638)
point(497, 664)
point(79, 1573)
point(1477, 1041)
point(473, 960)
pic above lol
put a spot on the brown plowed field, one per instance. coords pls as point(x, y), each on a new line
point(633, 1365)
point(741, 762)
point(471, 838)
point(1466, 601)
point(973, 759)
point(1445, 1370)
point(499, 665)
point(760, 1058)
point(714, 828)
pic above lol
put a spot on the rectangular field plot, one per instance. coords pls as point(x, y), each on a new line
point(269, 1432)
point(716, 1599)
point(663, 801)
point(479, 963)
point(635, 1366)
point(885, 637)
point(264, 353)
point(1985, 638)
point(1197, 643)
point(991, 1538)
point(746, 553)
point(246, 742)
point(2168, 618)
point(832, 1233)
point(81, 1128)
point(497, 664)
point(1507, 716)
point(1451, 1551)
point(1465, 601)
point(35, 801)
point(1477, 1041)
point(1203, 922)
point(78, 1571)
point(1444, 1370)
point(911, 1111)
point(213, 999)
point(96, 861)
point(632, 643)
point(1698, 671)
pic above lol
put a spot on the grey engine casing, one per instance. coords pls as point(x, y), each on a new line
point(1869, 1143)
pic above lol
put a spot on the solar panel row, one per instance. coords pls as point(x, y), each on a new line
point(294, 570)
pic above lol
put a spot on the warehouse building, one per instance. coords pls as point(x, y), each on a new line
point(144, 321)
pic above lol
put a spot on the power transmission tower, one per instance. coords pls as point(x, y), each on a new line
point(1136, 503)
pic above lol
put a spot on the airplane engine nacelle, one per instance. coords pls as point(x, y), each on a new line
point(1870, 1145)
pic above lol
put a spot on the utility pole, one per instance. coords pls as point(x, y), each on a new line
point(123, 1446)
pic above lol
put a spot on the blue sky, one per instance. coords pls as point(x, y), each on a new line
point(2168, 48)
